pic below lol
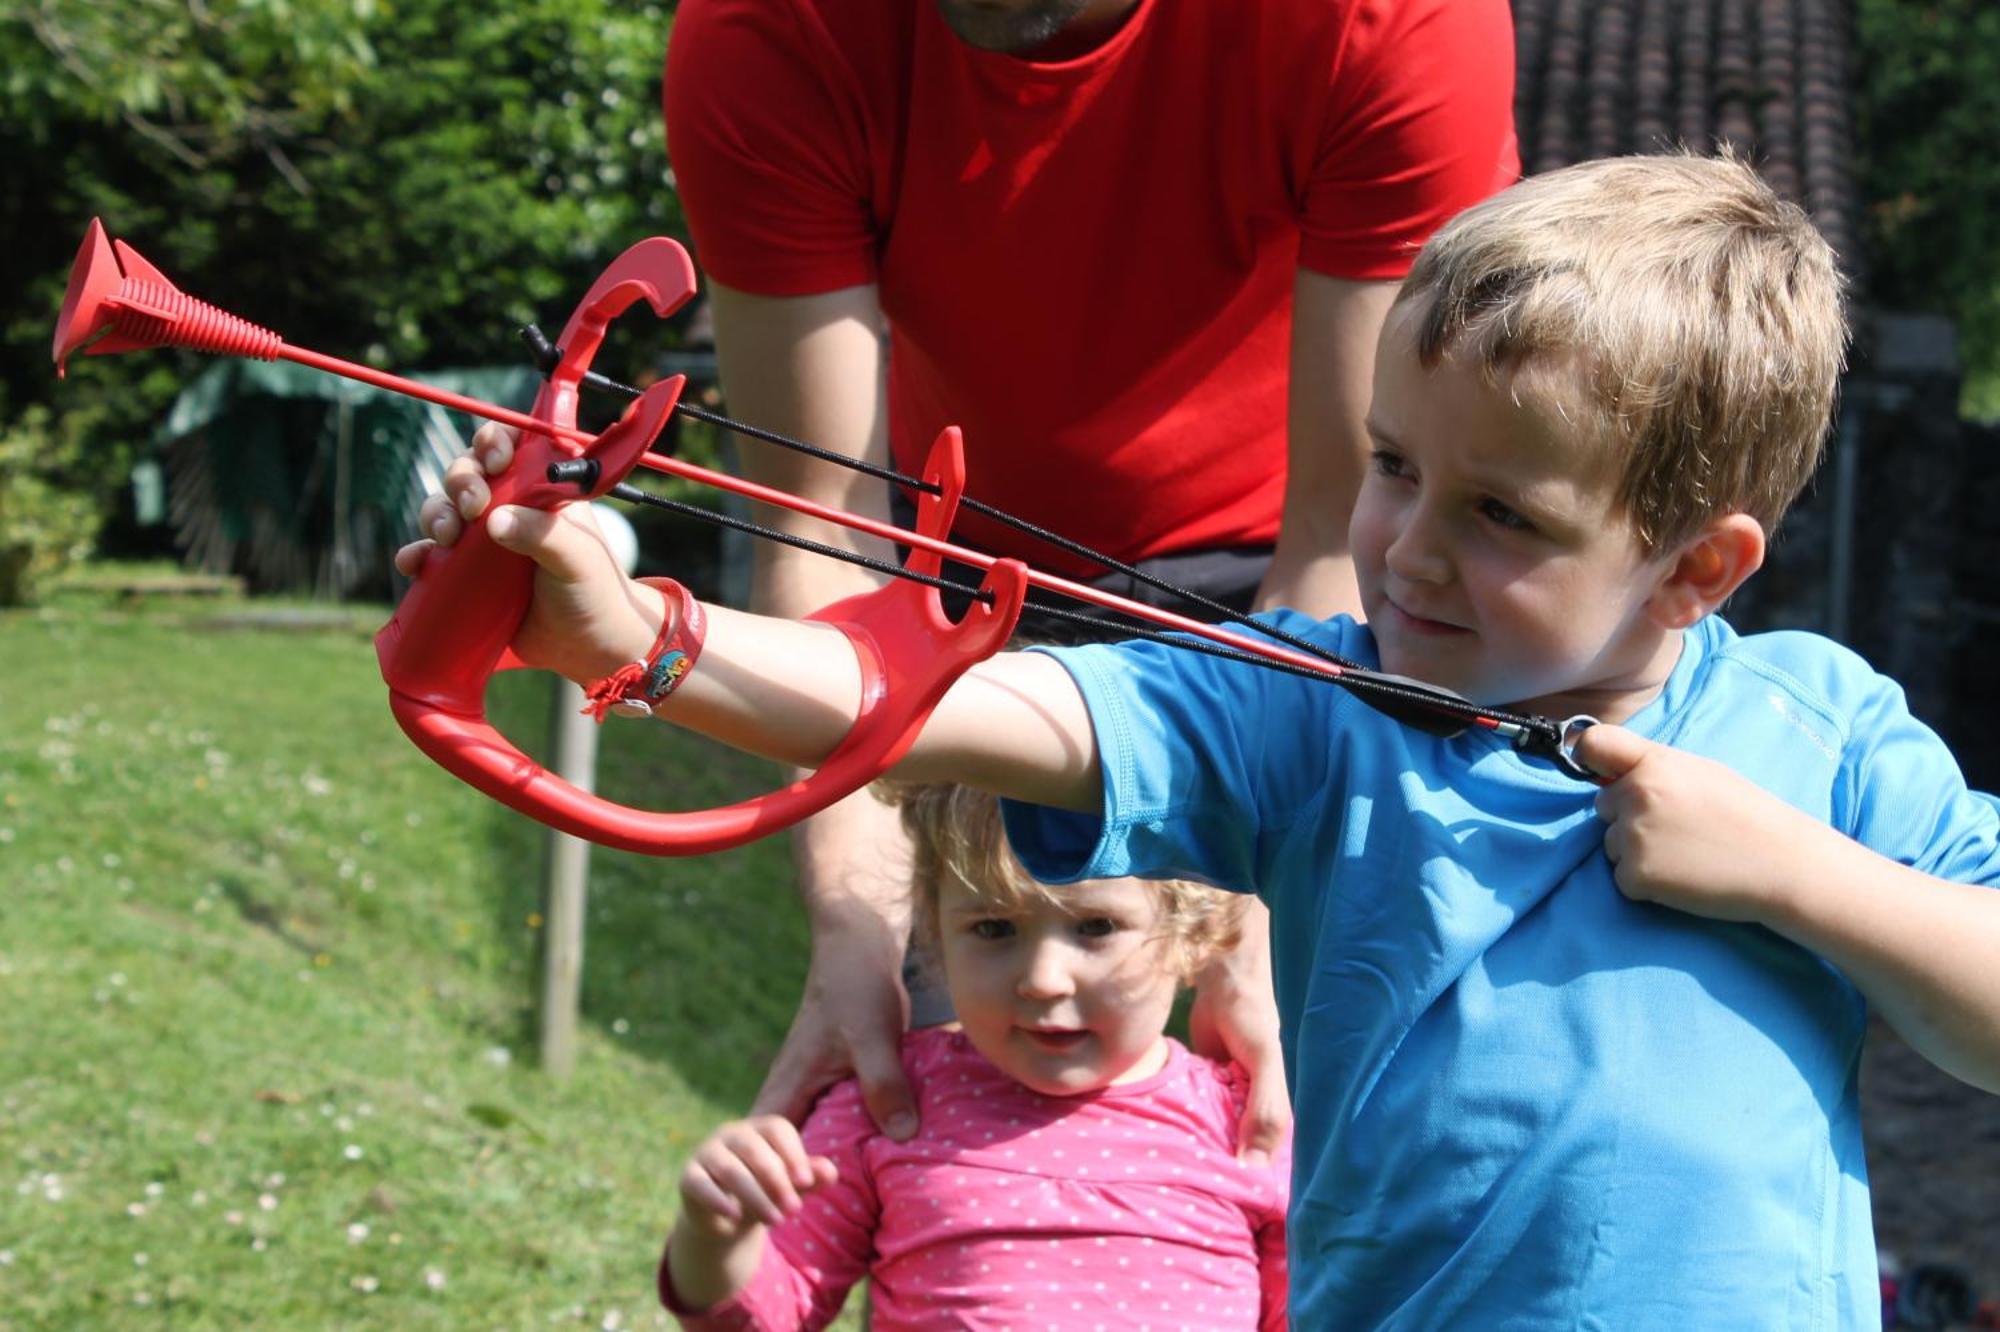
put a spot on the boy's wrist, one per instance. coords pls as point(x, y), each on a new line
point(629, 641)
point(641, 683)
point(1817, 859)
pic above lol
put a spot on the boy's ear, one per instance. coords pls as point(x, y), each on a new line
point(1710, 566)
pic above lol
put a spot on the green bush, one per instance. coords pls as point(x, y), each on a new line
point(398, 184)
point(1927, 99)
point(45, 522)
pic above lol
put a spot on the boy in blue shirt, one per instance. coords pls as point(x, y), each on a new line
point(1561, 1056)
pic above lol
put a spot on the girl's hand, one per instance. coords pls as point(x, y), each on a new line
point(749, 1173)
point(1689, 833)
point(587, 619)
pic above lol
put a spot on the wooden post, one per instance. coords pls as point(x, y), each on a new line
point(573, 739)
point(573, 757)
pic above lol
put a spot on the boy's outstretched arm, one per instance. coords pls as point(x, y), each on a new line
point(1014, 725)
point(1689, 833)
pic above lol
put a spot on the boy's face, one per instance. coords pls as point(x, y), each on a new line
point(1063, 999)
point(1492, 555)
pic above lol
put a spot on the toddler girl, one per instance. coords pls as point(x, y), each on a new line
point(1074, 1166)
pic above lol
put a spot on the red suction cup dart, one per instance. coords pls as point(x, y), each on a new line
point(118, 302)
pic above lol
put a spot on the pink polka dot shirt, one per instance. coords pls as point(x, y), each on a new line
point(1122, 1210)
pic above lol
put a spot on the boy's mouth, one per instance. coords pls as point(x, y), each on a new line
point(1421, 624)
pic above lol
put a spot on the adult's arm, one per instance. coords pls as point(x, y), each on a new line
point(811, 367)
point(1335, 323)
point(1417, 125)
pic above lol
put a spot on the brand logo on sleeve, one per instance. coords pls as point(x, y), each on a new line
point(1800, 723)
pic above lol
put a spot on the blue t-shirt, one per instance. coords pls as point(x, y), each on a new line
point(1523, 1100)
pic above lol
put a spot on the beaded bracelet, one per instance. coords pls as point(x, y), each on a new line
point(638, 689)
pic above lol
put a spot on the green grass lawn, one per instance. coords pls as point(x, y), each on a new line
point(268, 982)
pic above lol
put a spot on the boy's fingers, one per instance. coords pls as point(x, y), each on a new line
point(465, 487)
point(410, 558)
point(737, 1182)
point(493, 446)
point(438, 520)
point(1610, 751)
point(568, 550)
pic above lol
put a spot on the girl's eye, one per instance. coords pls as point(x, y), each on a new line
point(1501, 516)
point(992, 929)
point(1097, 927)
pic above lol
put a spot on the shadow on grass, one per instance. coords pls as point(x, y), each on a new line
point(695, 961)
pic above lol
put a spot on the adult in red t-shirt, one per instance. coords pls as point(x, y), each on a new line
point(1139, 250)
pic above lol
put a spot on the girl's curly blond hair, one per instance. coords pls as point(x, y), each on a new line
point(955, 831)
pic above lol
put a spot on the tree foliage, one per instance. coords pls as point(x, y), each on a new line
point(400, 181)
point(1928, 103)
point(405, 181)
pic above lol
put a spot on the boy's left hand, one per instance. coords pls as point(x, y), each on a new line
point(1689, 833)
point(586, 619)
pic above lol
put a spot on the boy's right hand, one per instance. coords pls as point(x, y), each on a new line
point(748, 1173)
point(587, 618)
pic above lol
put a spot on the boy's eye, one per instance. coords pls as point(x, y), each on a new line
point(991, 928)
point(1501, 516)
point(1387, 462)
point(1097, 927)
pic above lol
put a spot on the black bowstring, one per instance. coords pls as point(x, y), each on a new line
point(1412, 702)
point(1416, 695)
point(547, 356)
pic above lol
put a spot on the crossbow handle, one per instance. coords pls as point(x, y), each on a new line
point(451, 632)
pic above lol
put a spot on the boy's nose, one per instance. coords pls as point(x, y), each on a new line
point(1417, 554)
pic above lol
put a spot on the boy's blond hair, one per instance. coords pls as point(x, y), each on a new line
point(955, 833)
point(1698, 314)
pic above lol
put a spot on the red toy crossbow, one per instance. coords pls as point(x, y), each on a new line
point(451, 632)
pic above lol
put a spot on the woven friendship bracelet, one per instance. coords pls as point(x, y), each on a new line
point(636, 690)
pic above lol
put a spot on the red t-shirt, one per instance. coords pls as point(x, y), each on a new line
point(1088, 264)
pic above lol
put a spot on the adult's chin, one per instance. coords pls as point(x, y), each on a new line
point(1009, 28)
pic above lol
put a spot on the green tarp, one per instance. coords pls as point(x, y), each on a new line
point(307, 482)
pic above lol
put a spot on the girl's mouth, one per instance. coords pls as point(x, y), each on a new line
point(1054, 1038)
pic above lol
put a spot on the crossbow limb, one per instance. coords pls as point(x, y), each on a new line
point(451, 633)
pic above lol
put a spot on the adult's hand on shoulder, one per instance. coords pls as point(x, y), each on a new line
point(850, 1021)
point(1235, 1017)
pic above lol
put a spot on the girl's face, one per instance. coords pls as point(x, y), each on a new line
point(1064, 999)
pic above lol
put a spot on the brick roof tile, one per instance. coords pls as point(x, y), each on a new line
point(1770, 77)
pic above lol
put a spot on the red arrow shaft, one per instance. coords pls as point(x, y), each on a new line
point(751, 490)
point(334, 365)
point(978, 559)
